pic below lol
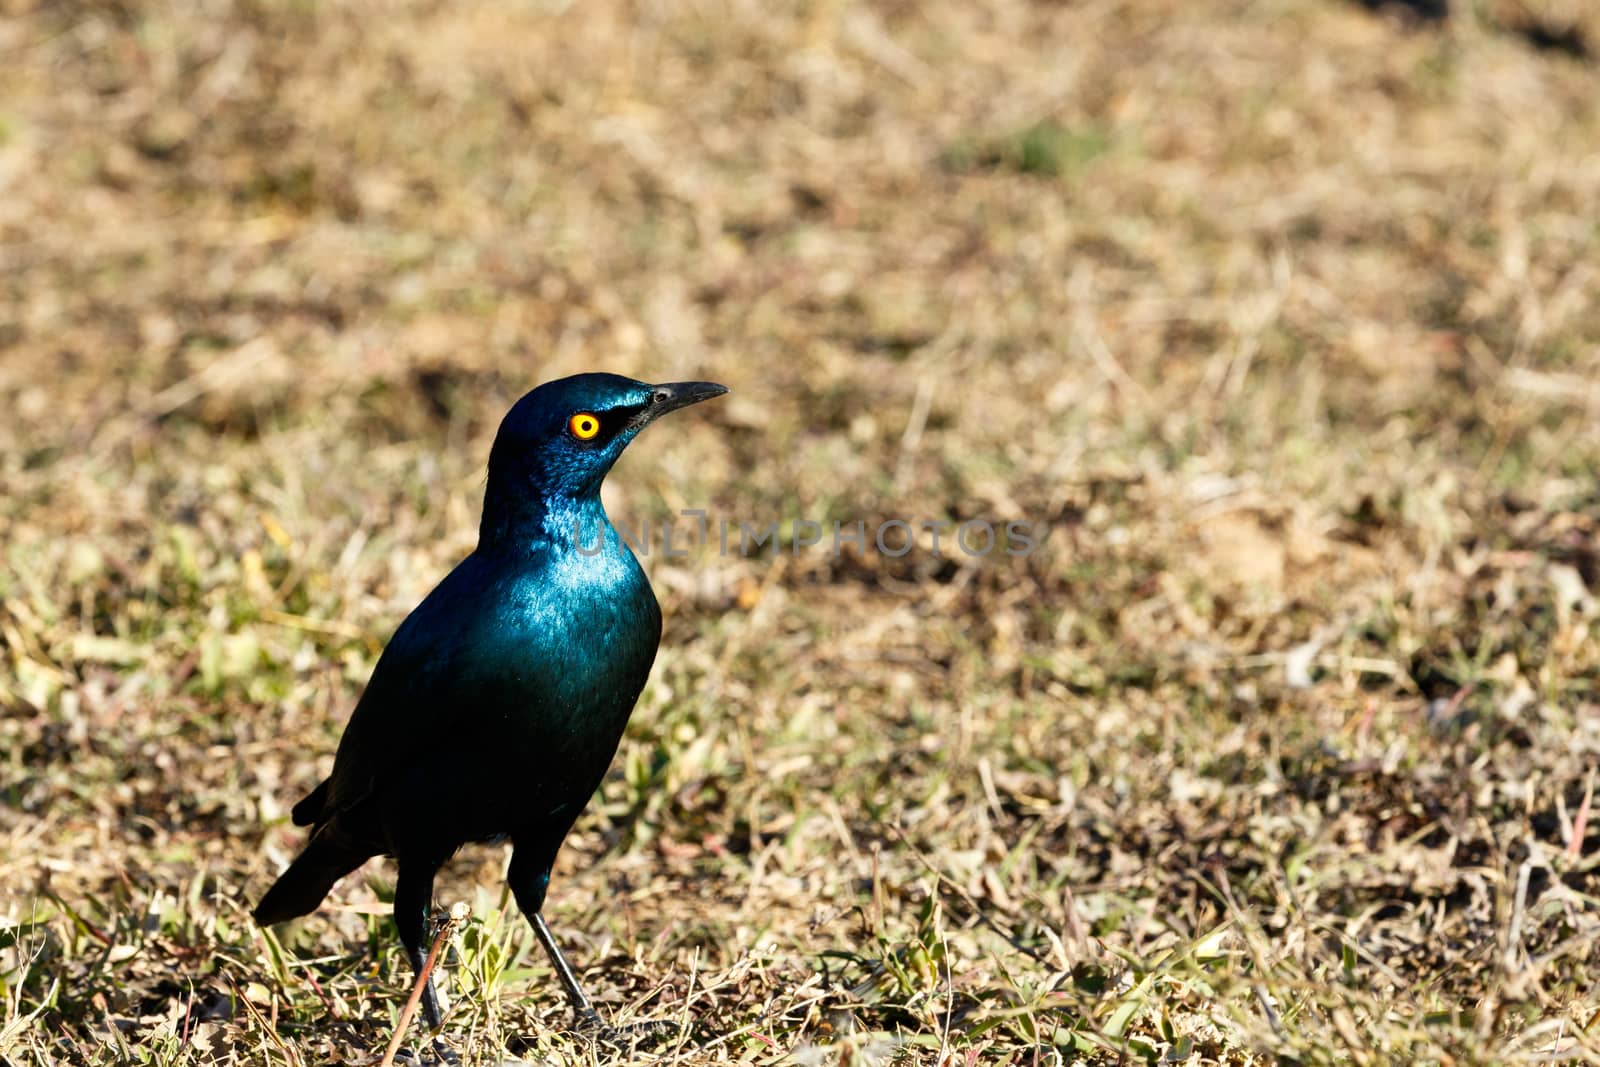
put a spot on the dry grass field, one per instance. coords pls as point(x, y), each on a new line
point(1281, 316)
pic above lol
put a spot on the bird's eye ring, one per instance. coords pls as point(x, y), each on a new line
point(583, 426)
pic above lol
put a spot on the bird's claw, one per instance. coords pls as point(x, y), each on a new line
point(442, 1056)
point(591, 1026)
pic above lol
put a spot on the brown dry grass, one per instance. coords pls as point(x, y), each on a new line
point(1281, 314)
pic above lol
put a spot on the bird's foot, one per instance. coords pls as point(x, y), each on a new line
point(591, 1026)
point(442, 1055)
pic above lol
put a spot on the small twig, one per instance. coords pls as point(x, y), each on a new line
point(327, 1001)
point(1075, 928)
point(877, 894)
point(1247, 931)
point(1088, 337)
point(1519, 905)
point(688, 995)
point(188, 1015)
point(949, 1001)
point(458, 915)
point(941, 879)
point(1580, 821)
point(916, 423)
point(270, 1030)
point(751, 1029)
point(83, 924)
point(1456, 701)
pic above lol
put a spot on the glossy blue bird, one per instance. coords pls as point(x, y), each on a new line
point(498, 704)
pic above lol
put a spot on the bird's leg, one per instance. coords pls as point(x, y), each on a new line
point(530, 877)
point(413, 895)
point(588, 1018)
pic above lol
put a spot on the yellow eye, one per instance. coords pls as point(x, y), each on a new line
point(583, 426)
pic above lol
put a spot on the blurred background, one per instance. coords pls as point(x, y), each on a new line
point(1279, 315)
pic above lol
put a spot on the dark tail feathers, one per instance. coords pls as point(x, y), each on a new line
point(309, 811)
point(327, 858)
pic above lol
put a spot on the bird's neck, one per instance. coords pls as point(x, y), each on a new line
point(530, 521)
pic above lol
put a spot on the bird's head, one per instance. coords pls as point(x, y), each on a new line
point(558, 442)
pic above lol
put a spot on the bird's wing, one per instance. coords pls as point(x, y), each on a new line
point(397, 713)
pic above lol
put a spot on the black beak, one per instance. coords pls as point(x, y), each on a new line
point(674, 395)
